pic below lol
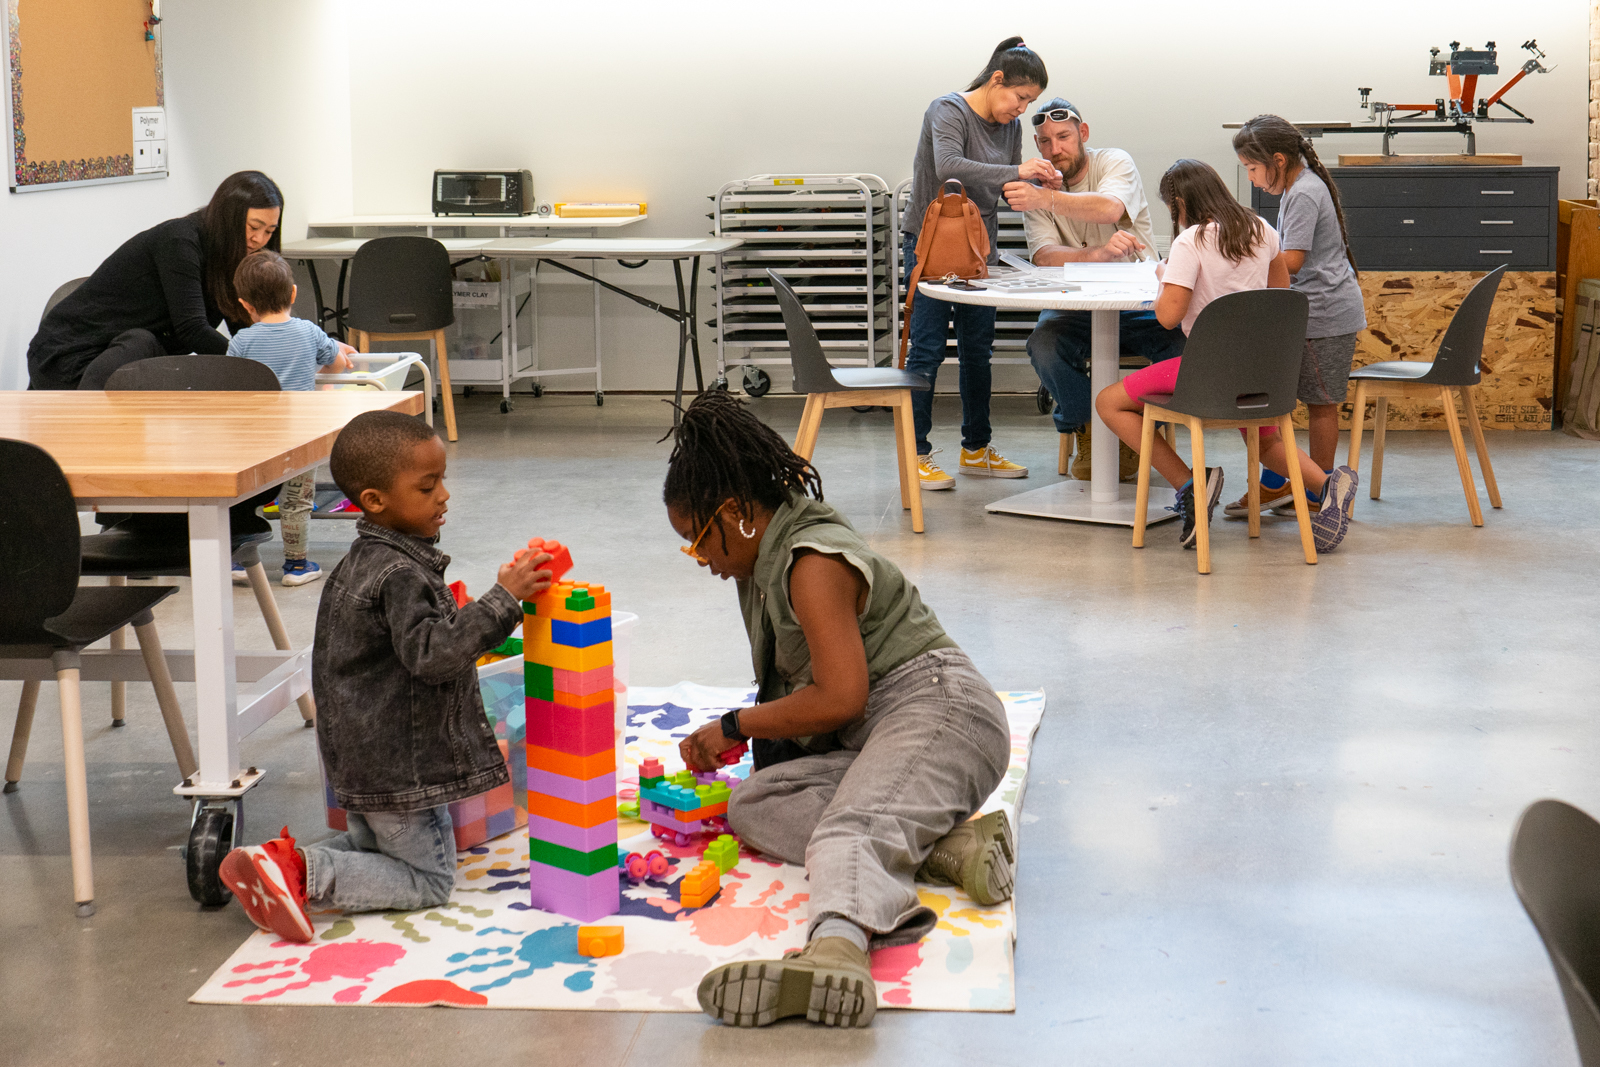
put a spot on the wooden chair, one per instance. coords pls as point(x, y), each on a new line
point(400, 291)
point(1555, 869)
point(1240, 369)
point(828, 387)
point(45, 615)
point(1455, 371)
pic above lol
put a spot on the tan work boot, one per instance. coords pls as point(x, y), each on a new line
point(829, 982)
point(977, 856)
point(1127, 459)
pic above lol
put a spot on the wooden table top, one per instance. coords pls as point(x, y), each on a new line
point(161, 445)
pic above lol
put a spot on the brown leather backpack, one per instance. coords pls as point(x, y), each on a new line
point(953, 240)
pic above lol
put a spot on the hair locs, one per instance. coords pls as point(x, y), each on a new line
point(722, 452)
point(222, 235)
point(1196, 191)
point(1267, 136)
point(1019, 64)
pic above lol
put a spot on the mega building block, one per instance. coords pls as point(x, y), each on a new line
point(546, 759)
point(591, 814)
point(576, 731)
point(651, 768)
point(584, 700)
point(570, 859)
point(561, 561)
point(577, 896)
point(581, 634)
point(697, 887)
point(565, 656)
point(578, 838)
point(671, 796)
point(582, 682)
point(724, 852)
point(577, 790)
point(599, 940)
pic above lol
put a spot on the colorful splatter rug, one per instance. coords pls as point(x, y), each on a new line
point(488, 948)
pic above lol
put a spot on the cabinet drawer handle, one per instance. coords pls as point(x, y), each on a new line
point(1497, 192)
point(1495, 252)
point(1496, 222)
point(1408, 222)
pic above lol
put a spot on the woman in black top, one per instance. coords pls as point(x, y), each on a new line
point(165, 291)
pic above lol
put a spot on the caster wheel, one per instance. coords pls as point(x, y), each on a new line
point(757, 382)
point(538, 390)
point(720, 383)
point(599, 399)
point(467, 391)
point(1047, 404)
point(438, 406)
point(505, 407)
point(210, 839)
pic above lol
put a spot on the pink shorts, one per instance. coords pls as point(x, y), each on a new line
point(1158, 379)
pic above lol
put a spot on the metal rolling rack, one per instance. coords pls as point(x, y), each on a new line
point(827, 234)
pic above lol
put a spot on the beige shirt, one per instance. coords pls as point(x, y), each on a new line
point(1109, 172)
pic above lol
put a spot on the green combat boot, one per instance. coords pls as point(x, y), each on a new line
point(829, 982)
point(977, 856)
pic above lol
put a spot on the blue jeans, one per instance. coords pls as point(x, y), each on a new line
point(1058, 348)
point(930, 330)
point(385, 861)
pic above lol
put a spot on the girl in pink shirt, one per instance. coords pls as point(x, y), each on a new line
point(1220, 248)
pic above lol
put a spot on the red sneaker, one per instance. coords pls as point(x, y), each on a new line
point(270, 882)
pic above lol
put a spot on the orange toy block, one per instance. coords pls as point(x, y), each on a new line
point(707, 812)
point(570, 812)
point(585, 700)
point(700, 885)
point(570, 766)
point(557, 566)
point(599, 940)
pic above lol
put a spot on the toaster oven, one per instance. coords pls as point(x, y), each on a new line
point(482, 192)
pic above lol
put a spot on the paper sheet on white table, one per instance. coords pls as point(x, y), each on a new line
point(1128, 274)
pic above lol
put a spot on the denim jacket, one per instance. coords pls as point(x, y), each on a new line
point(400, 721)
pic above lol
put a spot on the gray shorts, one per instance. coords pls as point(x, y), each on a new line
point(1325, 369)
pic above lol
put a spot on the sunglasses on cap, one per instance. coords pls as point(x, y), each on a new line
point(1057, 114)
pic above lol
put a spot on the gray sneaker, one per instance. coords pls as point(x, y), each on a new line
point(1332, 520)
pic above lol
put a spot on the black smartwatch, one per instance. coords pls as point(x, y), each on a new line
point(730, 727)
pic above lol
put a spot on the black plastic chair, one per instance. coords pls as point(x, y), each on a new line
point(826, 387)
point(1456, 366)
point(157, 545)
point(63, 291)
point(400, 290)
point(45, 615)
point(1241, 367)
point(1555, 868)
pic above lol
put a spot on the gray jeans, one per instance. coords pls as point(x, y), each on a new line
point(931, 747)
point(385, 861)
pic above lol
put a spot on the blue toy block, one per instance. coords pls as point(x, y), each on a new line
point(580, 634)
point(673, 796)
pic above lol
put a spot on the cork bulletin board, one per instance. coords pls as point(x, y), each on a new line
point(85, 103)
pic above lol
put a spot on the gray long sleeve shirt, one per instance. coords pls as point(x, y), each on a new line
point(956, 143)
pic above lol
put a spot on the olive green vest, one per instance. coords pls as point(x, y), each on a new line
point(895, 627)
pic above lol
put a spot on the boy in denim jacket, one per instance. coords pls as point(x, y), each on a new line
point(400, 722)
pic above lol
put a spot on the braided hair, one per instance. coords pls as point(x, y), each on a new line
point(1267, 135)
point(721, 451)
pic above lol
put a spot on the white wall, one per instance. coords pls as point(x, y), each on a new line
point(351, 104)
point(262, 85)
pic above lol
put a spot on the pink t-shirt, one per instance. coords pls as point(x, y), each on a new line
point(1195, 263)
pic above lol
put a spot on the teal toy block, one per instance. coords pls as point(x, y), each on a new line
point(724, 852)
point(671, 796)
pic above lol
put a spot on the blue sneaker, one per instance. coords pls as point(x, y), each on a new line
point(1332, 520)
point(300, 571)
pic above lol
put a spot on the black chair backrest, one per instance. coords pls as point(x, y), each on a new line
point(1242, 359)
point(210, 374)
point(400, 285)
point(38, 540)
point(1460, 353)
point(62, 292)
point(812, 374)
point(1555, 868)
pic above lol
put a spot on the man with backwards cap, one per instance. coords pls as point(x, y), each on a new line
point(1099, 216)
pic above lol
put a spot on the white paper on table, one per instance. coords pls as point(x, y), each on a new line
point(1137, 274)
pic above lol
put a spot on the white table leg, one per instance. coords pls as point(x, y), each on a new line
point(594, 267)
point(1104, 349)
point(215, 678)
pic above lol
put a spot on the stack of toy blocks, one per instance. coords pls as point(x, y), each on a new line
point(682, 803)
point(572, 757)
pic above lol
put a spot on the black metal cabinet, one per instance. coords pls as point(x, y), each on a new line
point(1444, 218)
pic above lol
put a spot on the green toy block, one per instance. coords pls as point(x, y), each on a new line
point(580, 600)
point(724, 852)
point(650, 783)
point(570, 859)
point(539, 680)
point(684, 778)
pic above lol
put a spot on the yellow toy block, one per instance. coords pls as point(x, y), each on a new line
point(564, 657)
point(599, 940)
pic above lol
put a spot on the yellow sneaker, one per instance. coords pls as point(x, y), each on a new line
point(931, 475)
point(987, 463)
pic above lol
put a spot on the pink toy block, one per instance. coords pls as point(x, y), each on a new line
point(470, 833)
point(582, 897)
point(500, 798)
point(581, 838)
point(651, 768)
point(471, 809)
point(577, 790)
point(582, 683)
point(576, 731)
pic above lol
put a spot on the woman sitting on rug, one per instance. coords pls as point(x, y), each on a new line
point(875, 737)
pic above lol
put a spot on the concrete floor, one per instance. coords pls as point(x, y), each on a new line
point(1267, 820)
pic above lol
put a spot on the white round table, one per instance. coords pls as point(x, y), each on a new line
point(1104, 290)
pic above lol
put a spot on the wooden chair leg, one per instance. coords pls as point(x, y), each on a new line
point(805, 439)
point(77, 775)
point(1063, 452)
point(1468, 486)
point(1469, 401)
point(362, 341)
point(155, 664)
point(1169, 430)
point(1358, 420)
point(905, 467)
point(1297, 487)
point(908, 456)
point(1141, 496)
point(1380, 429)
point(1252, 447)
point(443, 360)
point(1202, 528)
point(280, 636)
point(119, 641)
point(19, 734)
